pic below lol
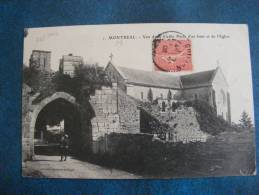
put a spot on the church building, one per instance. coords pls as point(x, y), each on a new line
point(210, 86)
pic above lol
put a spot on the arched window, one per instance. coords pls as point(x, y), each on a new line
point(223, 97)
point(141, 95)
point(150, 95)
point(161, 95)
point(163, 106)
point(214, 98)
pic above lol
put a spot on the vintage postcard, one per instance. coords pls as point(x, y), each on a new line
point(133, 101)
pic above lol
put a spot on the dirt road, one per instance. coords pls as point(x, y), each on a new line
point(52, 167)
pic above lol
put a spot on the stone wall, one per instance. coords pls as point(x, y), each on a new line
point(26, 139)
point(114, 112)
point(30, 113)
point(106, 119)
point(129, 113)
point(185, 126)
point(183, 123)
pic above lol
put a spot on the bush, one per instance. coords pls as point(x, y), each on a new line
point(138, 153)
point(150, 124)
point(208, 119)
point(86, 80)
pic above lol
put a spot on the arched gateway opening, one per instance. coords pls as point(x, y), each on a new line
point(52, 117)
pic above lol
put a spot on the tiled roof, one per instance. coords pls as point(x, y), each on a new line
point(157, 79)
point(148, 78)
point(198, 79)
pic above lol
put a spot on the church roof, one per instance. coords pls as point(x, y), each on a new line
point(199, 79)
point(164, 80)
point(149, 78)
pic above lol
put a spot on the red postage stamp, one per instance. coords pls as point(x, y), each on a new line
point(172, 52)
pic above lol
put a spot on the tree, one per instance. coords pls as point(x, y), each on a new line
point(88, 78)
point(169, 98)
point(245, 121)
point(38, 80)
point(174, 106)
point(150, 95)
point(63, 82)
point(169, 95)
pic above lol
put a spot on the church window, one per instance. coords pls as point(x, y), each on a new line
point(214, 98)
point(195, 96)
point(44, 62)
point(163, 106)
point(223, 97)
point(161, 95)
point(150, 95)
point(141, 95)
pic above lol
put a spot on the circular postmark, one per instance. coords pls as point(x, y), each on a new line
point(172, 52)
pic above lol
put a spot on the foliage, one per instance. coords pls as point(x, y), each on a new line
point(206, 115)
point(64, 83)
point(169, 95)
point(155, 102)
point(150, 95)
point(138, 153)
point(87, 78)
point(150, 124)
point(39, 80)
point(208, 119)
point(30, 76)
point(175, 105)
point(245, 121)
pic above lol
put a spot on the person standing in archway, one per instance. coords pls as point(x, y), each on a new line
point(64, 147)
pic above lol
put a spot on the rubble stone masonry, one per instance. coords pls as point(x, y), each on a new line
point(106, 119)
point(184, 126)
point(26, 139)
point(114, 112)
point(129, 113)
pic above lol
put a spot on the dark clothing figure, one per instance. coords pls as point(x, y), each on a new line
point(64, 146)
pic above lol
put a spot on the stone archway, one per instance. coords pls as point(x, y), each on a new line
point(38, 107)
point(35, 109)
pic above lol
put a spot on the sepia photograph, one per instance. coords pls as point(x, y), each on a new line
point(137, 101)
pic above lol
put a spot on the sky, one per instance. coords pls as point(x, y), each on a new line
point(224, 45)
